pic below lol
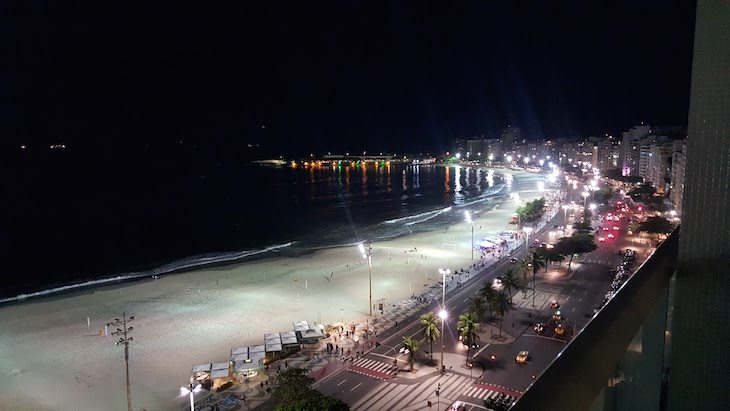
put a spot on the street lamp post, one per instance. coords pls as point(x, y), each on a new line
point(470, 221)
point(527, 231)
point(124, 340)
point(192, 389)
point(442, 313)
point(368, 253)
point(585, 199)
point(565, 212)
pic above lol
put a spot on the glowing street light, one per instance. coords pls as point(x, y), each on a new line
point(509, 159)
point(585, 198)
point(526, 159)
point(527, 231)
point(368, 253)
point(542, 162)
point(192, 389)
point(592, 206)
point(442, 313)
point(470, 221)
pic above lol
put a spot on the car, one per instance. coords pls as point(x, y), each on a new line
point(539, 327)
point(615, 228)
point(557, 316)
point(522, 357)
point(457, 406)
point(611, 236)
point(513, 260)
point(554, 304)
point(605, 228)
point(559, 329)
point(601, 239)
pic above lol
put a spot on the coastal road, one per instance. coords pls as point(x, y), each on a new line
point(351, 387)
point(371, 388)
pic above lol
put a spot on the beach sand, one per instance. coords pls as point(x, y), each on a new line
point(51, 360)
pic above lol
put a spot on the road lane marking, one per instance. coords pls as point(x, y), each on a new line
point(482, 349)
point(343, 381)
point(586, 292)
point(573, 310)
point(573, 291)
point(466, 299)
point(580, 300)
point(568, 298)
point(353, 388)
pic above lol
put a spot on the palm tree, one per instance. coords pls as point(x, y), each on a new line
point(412, 347)
point(430, 329)
point(477, 307)
point(525, 268)
point(509, 280)
point(488, 293)
point(537, 261)
point(469, 325)
point(502, 305)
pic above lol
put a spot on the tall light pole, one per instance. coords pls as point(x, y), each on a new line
point(565, 211)
point(368, 253)
point(442, 313)
point(192, 389)
point(527, 231)
point(470, 221)
point(123, 339)
point(585, 199)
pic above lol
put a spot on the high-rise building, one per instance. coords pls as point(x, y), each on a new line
point(630, 152)
point(510, 136)
point(658, 169)
point(607, 154)
point(679, 164)
point(700, 369)
point(660, 342)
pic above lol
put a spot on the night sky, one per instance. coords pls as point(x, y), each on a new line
point(301, 77)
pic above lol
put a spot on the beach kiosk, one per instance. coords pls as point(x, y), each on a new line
point(272, 342)
point(212, 375)
point(289, 340)
point(245, 367)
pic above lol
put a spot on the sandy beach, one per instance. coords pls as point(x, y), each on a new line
point(51, 360)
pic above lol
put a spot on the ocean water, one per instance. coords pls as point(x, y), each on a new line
point(80, 229)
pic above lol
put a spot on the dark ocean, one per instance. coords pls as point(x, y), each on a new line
point(69, 224)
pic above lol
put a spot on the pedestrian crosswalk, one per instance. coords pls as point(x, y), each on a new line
point(372, 368)
point(407, 397)
point(485, 393)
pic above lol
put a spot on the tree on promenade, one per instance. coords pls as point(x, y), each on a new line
point(477, 307)
point(537, 261)
point(430, 329)
point(578, 244)
point(469, 326)
point(509, 280)
point(412, 346)
point(552, 255)
point(487, 291)
point(656, 225)
point(525, 268)
point(294, 393)
point(502, 306)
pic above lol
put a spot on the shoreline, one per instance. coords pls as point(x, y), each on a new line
point(198, 316)
point(269, 251)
